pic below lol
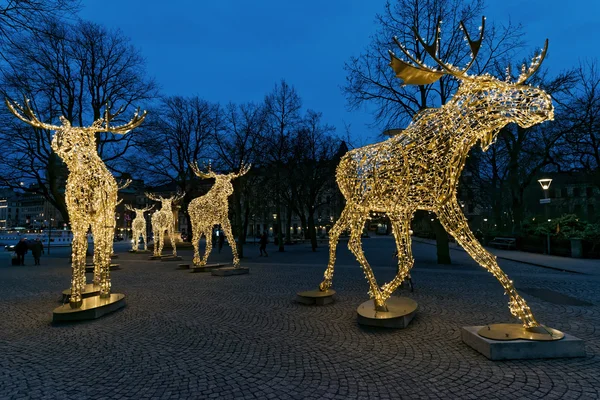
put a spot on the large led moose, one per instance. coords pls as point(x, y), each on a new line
point(163, 220)
point(213, 209)
point(419, 169)
point(90, 194)
point(138, 226)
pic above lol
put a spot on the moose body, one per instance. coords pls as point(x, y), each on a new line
point(213, 209)
point(163, 221)
point(90, 193)
point(138, 226)
point(420, 168)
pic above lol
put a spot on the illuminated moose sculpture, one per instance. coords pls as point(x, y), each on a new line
point(163, 220)
point(91, 192)
point(213, 209)
point(419, 169)
point(138, 226)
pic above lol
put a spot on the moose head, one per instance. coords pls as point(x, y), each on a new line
point(222, 181)
point(166, 202)
point(138, 211)
point(488, 98)
point(69, 141)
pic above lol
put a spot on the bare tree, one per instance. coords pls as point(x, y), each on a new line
point(73, 71)
point(237, 144)
point(283, 106)
point(18, 16)
point(582, 145)
point(178, 133)
point(314, 163)
point(371, 81)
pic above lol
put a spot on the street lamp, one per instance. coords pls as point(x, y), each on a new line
point(545, 184)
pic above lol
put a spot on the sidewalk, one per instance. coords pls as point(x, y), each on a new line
point(576, 265)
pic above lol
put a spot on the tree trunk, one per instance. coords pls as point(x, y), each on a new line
point(304, 226)
point(279, 227)
point(238, 226)
point(288, 233)
point(312, 229)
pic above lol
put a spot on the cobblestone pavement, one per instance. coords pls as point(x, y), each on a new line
point(198, 336)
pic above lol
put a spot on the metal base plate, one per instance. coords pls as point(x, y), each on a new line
point(401, 310)
point(183, 266)
point(205, 268)
point(91, 308)
point(229, 271)
point(316, 297)
point(114, 256)
point(88, 291)
point(517, 331)
point(156, 257)
point(521, 349)
point(140, 251)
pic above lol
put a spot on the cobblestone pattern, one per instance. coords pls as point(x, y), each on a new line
point(200, 336)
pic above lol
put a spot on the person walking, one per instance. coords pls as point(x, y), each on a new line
point(37, 249)
point(264, 239)
point(21, 250)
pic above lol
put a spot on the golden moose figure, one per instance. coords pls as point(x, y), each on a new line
point(91, 192)
point(419, 169)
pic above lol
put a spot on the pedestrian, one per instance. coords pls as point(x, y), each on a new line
point(37, 249)
point(221, 240)
point(264, 239)
point(21, 250)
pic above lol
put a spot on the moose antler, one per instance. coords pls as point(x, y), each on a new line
point(178, 197)
point(25, 113)
point(122, 129)
point(418, 73)
point(128, 207)
point(535, 65)
point(153, 197)
point(244, 168)
point(200, 174)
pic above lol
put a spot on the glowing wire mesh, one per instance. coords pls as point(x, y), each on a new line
point(213, 209)
point(420, 168)
point(90, 194)
point(138, 226)
point(163, 220)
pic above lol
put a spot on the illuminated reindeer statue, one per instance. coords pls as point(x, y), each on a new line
point(420, 168)
point(213, 209)
point(163, 220)
point(138, 226)
point(91, 191)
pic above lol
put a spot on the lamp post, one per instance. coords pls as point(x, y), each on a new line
point(545, 184)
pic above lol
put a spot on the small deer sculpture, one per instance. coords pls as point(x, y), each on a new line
point(420, 168)
point(213, 209)
point(91, 191)
point(163, 220)
point(138, 226)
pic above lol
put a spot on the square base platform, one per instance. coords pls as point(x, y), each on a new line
point(91, 308)
point(229, 271)
point(205, 268)
point(569, 346)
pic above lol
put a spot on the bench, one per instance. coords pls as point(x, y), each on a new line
point(503, 242)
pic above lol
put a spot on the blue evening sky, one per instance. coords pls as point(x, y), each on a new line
point(235, 50)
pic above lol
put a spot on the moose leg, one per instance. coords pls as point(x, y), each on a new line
point(334, 235)
point(79, 247)
point(455, 223)
point(208, 233)
point(401, 228)
point(172, 238)
point(161, 238)
point(355, 245)
point(102, 252)
point(196, 236)
point(226, 225)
